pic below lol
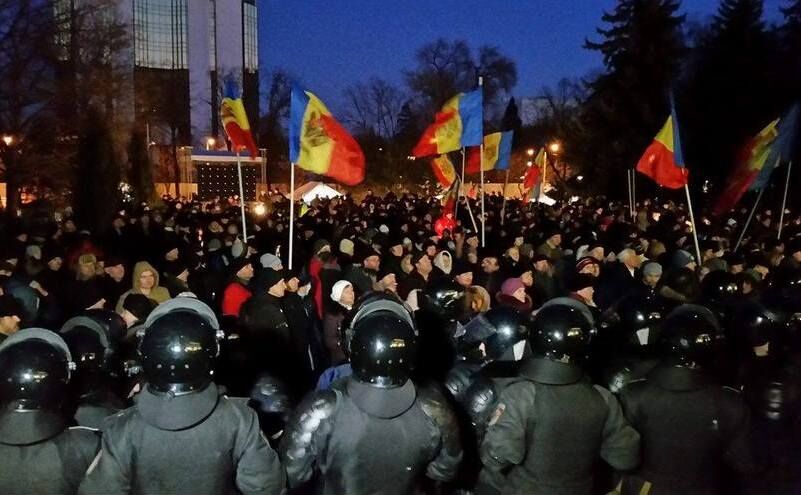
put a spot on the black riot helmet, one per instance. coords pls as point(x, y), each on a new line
point(381, 339)
point(35, 369)
point(510, 329)
point(640, 318)
point(689, 336)
point(719, 286)
point(443, 298)
point(113, 324)
point(179, 346)
point(91, 340)
point(752, 326)
point(561, 331)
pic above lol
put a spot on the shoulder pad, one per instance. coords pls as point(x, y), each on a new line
point(434, 404)
point(317, 407)
point(731, 390)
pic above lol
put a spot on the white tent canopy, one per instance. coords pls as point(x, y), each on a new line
point(311, 190)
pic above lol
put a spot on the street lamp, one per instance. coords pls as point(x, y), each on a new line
point(554, 147)
point(530, 152)
point(8, 139)
point(210, 142)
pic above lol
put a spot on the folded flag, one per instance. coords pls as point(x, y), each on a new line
point(319, 144)
point(663, 160)
point(235, 119)
point(460, 123)
point(450, 196)
point(497, 153)
point(751, 160)
point(532, 182)
point(444, 170)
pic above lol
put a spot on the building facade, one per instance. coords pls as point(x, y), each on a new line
point(180, 50)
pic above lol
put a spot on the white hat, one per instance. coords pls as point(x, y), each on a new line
point(338, 289)
point(269, 260)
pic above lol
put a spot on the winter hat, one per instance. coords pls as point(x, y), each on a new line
point(585, 261)
point(33, 251)
point(138, 305)
point(682, 258)
point(338, 289)
point(460, 266)
point(652, 268)
point(346, 246)
point(319, 245)
point(511, 285)
point(271, 261)
point(265, 279)
point(214, 245)
point(10, 306)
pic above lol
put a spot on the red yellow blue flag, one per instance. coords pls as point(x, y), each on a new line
point(497, 153)
point(319, 144)
point(460, 123)
point(750, 162)
point(663, 160)
point(235, 119)
point(444, 170)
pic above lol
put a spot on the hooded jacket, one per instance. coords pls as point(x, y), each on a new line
point(157, 293)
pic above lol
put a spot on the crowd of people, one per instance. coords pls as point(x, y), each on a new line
point(574, 349)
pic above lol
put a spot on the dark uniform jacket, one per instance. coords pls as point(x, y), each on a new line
point(41, 455)
point(380, 452)
point(689, 426)
point(199, 443)
point(549, 430)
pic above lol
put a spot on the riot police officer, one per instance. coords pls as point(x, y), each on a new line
point(551, 425)
point(442, 307)
point(183, 436)
point(92, 339)
point(689, 424)
point(374, 432)
point(40, 453)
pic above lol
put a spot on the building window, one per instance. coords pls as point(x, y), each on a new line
point(250, 37)
point(62, 15)
point(160, 34)
point(212, 35)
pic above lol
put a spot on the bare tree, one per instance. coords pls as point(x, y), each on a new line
point(373, 108)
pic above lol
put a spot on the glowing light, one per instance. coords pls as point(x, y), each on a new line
point(530, 152)
point(260, 209)
point(580, 178)
point(554, 147)
point(210, 142)
point(8, 139)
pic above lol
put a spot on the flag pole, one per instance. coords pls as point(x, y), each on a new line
point(470, 211)
point(692, 222)
point(784, 199)
point(633, 195)
point(544, 172)
point(459, 190)
point(505, 183)
point(481, 166)
point(241, 197)
point(748, 221)
point(628, 186)
point(291, 212)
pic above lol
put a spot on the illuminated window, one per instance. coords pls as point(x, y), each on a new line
point(250, 37)
point(160, 33)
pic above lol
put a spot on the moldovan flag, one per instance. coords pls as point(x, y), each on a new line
point(235, 119)
point(448, 200)
point(460, 123)
point(497, 153)
point(750, 162)
point(319, 144)
point(443, 170)
point(532, 182)
point(663, 161)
